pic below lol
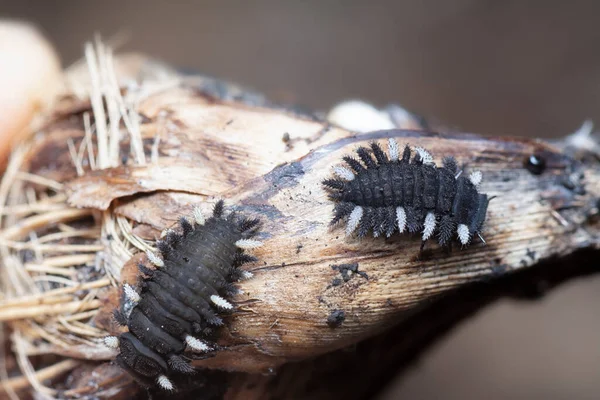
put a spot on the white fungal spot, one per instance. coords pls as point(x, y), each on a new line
point(429, 226)
point(247, 274)
point(354, 220)
point(463, 234)
point(130, 293)
point(401, 219)
point(343, 173)
point(475, 177)
point(196, 344)
point(198, 216)
point(112, 342)
point(165, 383)
point(424, 154)
point(393, 149)
point(154, 259)
point(248, 243)
point(221, 302)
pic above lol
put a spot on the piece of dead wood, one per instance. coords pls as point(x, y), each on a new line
point(199, 144)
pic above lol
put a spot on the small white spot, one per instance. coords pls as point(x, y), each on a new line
point(247, 274)
point(475, 177)
point(130, 293)
point(393, 149)
point(165, 383)
point(459, 174)
point(112, 342)
point(424, 154)
point(198, 216)
point(343, 173)
point(463, 234)
point(354, 220)
point(196, 344)
point(429, 226)
point(154, 259)
point(248, 243)
point(221, 302)
point(401, 219)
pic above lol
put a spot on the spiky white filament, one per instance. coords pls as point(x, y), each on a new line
point(198, 216)
point(196, 344)
point(401, 219)
point(164, 383)
point(248, 243)
point(154, 259)
point(393, 149)
point(130, 293)
point(343, 173)
point(354, 220)
point(475, 177)
point(428, 226)
point(221, 302)
point(424, 154)
point(247, 275)
point(112, 342)
point(463, 234)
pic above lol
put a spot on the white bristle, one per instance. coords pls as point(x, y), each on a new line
point(428, 226)
point(401, 219)
point(343, 173)
point(424, 154)
point(458, 174)
point(247, 274)
point(393, 149)
point(154, 259)
point(463, 234)
point(130, 293)
point(164, 383)
point(354, 220)
point(198, 216)
point(248, 243)
point(196, 344)
point(112, 342)
point(475, 177)
point(221, 302)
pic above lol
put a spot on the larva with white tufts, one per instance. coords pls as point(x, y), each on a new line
point(395, 193)
point(173, 318)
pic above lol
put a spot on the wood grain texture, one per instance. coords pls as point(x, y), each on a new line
point(269, 162)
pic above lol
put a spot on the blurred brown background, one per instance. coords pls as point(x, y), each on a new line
point(528, 68)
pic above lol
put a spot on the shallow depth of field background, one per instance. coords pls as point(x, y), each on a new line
point(491, 67)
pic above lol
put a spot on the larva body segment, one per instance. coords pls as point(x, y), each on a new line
point(399, 193)
point(177, 309)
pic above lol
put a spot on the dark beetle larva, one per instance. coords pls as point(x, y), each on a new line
point(389, 194)
point(171, 319)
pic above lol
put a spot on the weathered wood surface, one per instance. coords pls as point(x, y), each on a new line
point(270, 163)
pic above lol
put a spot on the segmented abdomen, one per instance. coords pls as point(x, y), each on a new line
point(389, 194)
point(172, 320)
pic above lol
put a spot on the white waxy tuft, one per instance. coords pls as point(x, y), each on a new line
point(401, 219)
point(343, 173)
point(221, 302)
point(165, 383)
point(475, 177)
point(196, 344)
point(463, 234)
point(393, 149)
point(130, 293)
point(154, 259)
point(112, 342)
point(247, 274)
point(248, 243)
point(428, 226)
point(198, 216)
point(424, 154)
point(354, 220)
